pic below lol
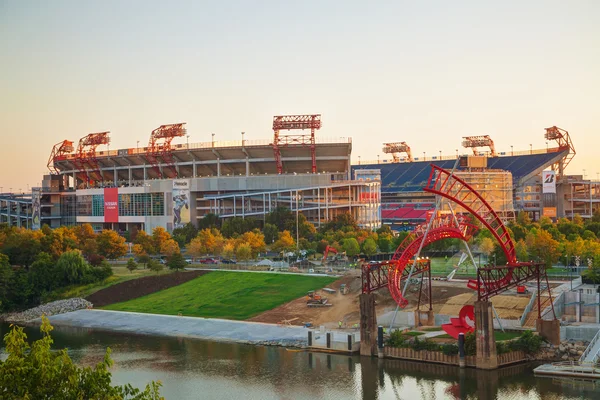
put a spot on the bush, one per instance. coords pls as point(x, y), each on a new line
point(155, 265)
point(396, 339)
point(131, 265)
point(449, 349)
point(37, 372)
point(72, 267)
point(101, 272)
point(528, 342)
point(503, 347)
point(470, 344)
point(424, 344)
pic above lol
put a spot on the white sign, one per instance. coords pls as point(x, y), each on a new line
point(548, 182)
point(181, 184)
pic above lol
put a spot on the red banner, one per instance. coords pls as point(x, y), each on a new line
point(111, 205)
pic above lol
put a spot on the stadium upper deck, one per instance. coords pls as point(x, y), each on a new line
point(213, 159)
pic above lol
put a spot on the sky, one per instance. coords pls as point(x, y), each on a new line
point(427, 73)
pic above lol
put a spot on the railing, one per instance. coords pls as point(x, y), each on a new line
point(577, 366)
point(528, 308)
point(589, 349)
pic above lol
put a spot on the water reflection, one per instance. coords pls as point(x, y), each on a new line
point(192, 369)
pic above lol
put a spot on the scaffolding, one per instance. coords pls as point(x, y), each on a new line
point(496, 187)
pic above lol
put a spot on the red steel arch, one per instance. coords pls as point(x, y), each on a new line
point(445, 184)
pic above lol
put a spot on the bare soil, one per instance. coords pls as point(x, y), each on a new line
point(345, 308)
point(135, 288)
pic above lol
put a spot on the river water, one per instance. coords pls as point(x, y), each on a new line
point(196, 369)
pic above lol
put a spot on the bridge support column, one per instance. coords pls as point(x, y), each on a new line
point(484, 335)
point(424, 318)
point(549, 330)
point(368, 325)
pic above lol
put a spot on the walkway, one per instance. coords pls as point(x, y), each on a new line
point(168, 325)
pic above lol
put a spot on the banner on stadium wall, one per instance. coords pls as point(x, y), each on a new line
point(549, 212)
point(181, 203)
point(111, 205)
point(548, 182)
point(36, 215)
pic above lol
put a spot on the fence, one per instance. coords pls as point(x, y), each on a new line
point(441, 358)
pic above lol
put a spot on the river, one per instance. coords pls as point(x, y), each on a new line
point(196, 369)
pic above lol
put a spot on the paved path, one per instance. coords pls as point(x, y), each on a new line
point(167, 325)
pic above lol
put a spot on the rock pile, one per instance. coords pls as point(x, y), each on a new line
point(53, 308)
point(568, 350)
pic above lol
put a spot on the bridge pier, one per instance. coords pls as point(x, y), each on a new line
point(487, 357)
point(549, 330)
point(424, 318)
point(368, 325)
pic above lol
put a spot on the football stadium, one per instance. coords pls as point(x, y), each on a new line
point(170, 184)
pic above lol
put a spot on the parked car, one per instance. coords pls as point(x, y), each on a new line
point(208, 260)
point(227, 261)
point(189, 260)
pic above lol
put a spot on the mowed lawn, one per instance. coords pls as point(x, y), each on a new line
point(229, 295)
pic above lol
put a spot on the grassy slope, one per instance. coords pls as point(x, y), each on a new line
point(230, 295)
point(120, 274)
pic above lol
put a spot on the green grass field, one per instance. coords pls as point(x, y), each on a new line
point(498, 335)
point(230, 295)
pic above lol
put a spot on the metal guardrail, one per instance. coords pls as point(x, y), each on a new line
point(528, 308)
point(589, 349)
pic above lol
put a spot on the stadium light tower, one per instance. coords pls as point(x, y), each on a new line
point(479, 141)
point(295, 122)
point(396, 148)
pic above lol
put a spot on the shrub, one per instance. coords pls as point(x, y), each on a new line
point(424, 344)
point(72, 267)
point(131, 265)
point(528, 342)
point(449, 349)
point(470, 344)
point(155, 265)
point(397, 339)
point(503, 347)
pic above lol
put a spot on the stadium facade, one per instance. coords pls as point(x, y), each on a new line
point(170, 185)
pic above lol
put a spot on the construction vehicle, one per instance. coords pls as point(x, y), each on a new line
point(338, 257)
point(314, 299)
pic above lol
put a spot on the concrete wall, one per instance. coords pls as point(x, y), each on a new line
point(580, 332)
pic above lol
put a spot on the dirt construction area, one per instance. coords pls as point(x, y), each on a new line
point(448, 298)
point(140, 287)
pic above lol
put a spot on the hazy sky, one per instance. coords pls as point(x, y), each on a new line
point(426, 73)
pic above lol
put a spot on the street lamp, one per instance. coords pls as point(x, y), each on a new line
point(297, 233)
point(530, 148)
point(424, 156)
point(187, 137)
point(377, 158)
point(456, 153)
point(243, 141)
point(440, 154)
point(213, 140)
point(137, 147)
point(584, 173)
point(358, 160)
point(546, 147)
point(512, 153)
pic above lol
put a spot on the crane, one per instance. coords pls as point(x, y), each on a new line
point(478, 141)
point(59, 151)
point(296, 122)
point(395, 148)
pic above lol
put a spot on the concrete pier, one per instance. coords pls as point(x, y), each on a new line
point(487, 357)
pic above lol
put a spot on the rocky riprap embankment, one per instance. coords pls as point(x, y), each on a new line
point(568, 350)
point(296, 343)
point(53, 308)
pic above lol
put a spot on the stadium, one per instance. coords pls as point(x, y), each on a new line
point(168, 185)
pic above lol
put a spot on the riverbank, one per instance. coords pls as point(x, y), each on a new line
point(188, 327)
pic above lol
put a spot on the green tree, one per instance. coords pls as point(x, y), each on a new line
point(72, 268)
point(271, 233)
point(369, 247)
point(351, 247)
point(131, 265)
point(185, 234)
point(37, 372)
point(144, 259)
point(110, 244)
point(486, 246)
point(243, 252)
point(542, 246)
point(176, 261)
point(155, 265)
point(5, 279)
point(521, 251)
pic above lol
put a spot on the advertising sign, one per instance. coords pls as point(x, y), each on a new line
point(181, 203)
point(111, 205)
point(36, 198)
point(549, 212)
point(549, 182)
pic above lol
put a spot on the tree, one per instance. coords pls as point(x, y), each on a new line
point(144, 242)
point(271, 233)
point(486, 246)
point(384, 243)
point(228, 249)
point(176, 261)
point(243, 252)
point(155, 266)
point(169, 248)
point(110, 244)
point(185, 234)
point(542, 246)
point(209, 221)
point(285, 242)
point(144, 259)
point(131, 265)
point(369, 247)
point(71, 267)
point(159, 237)
point(351, 247)
point(5, 279)
point(256, 240)
point(523, 219)
point(38, 372)
point(521, 251)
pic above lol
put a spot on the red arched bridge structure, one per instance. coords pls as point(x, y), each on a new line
point(490, 281)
